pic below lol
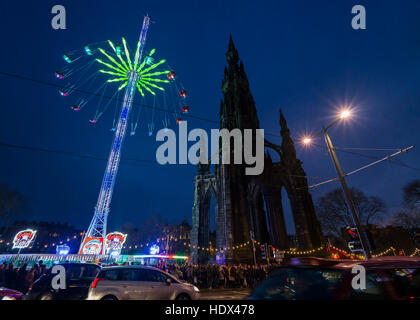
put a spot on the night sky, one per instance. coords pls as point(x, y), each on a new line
point(301, 56)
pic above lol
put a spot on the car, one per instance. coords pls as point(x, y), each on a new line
point(386, 278)
point(10, 294)
point(79, 277)
point(139, 283)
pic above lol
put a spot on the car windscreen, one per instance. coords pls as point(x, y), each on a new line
point(299, 284)
point(406, 282)
point(81, 272)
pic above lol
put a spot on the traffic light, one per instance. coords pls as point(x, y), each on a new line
point(272, 252)
point(353, 242)
point(352, 232)
point(263, 251)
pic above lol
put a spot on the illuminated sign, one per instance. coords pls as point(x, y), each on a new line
point(114, 241)
point(63, 250)
point(92, 245)
point(154, 249)
point(23, 238)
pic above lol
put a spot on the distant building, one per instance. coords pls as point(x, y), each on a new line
point(394, 236)
point(293, 242)
point(176, 238)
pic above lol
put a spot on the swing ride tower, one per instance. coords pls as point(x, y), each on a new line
point(98, 226)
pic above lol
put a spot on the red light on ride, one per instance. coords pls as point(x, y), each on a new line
point(179, 120)
point(171, 75)
point(183, 94)
point(185, 109)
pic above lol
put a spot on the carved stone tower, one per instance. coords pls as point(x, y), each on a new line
point(250, 207)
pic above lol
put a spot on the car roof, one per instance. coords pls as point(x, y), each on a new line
point(384, 262)
point(310, 261)
point(78, 264)
point(378, 262)
point(139, 267)
point(131, 267)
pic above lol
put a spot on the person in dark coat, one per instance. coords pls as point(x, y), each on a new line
point(10, 277)
point(20, 281)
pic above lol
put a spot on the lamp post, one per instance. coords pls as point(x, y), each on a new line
point(363, 241)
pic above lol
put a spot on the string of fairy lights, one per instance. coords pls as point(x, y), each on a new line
point(383, 253)
point(291, 252)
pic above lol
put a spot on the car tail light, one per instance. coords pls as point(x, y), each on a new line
point(95, 282)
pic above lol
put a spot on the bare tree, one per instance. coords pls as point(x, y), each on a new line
point(411, 194)
point(409, 216)
point(334, 213)
point(152, 227)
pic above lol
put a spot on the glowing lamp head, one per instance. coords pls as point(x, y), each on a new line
point(345, 114)
point(307, 140)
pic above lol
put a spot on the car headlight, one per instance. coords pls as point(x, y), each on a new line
point(8, 298)
point(196, 289)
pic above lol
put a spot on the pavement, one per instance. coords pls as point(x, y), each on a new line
point(225, 294)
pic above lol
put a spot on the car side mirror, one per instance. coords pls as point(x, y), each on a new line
point(168, 281)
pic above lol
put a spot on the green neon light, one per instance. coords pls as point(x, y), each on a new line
point(152, 85)
point(117, 79)
point(147, 88)
point(122, 86)
point(117, 51)
point(112, 73)
point(112, 45)
point(139, 88)
point(127, 53)
point(112, 59)
point(156, 73)
point(110, 66)
point(141, 66)
point(137, 55)
point(155, 80)
point(153, 66)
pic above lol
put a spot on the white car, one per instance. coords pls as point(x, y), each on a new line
point(139, 283)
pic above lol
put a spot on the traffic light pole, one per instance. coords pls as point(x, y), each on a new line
point(253, 246)
point(363, 240)
point(267, 254)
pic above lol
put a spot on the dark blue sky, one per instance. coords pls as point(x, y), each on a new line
point(302, 56)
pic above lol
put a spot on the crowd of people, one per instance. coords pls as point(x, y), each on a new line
point(214, 276)
point(22, 278)
point(210, 276)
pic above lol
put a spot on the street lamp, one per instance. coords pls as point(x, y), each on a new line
point(307, 140)
point(344, 114)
